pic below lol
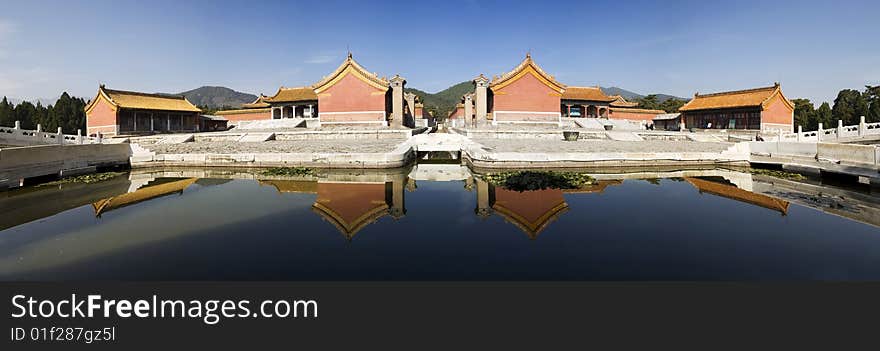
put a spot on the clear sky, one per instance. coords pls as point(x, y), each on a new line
point(814, 48)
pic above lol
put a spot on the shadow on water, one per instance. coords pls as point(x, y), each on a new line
point(440, 221)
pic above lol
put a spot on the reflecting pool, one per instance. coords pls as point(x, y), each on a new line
point(438, 222)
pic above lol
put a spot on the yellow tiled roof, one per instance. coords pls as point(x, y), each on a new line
point(585, 93)
point(527, 65)
point(145, 101)
point(619, 101)
point(258, 103)
point(350, 65)
point(293, 95)
point(757, 97)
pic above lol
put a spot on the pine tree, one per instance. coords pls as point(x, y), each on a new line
point(7, 113)
point(805, 114)
point(824, 115)
point(849, 105)
point(872, 96)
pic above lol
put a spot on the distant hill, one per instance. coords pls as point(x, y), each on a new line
point(443, 101)
point(630, 96)
point(217, 97)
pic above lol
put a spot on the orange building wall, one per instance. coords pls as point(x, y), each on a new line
point(351, 201)
point(419, 112)
point(351, 100)
point(778, 114)
point(526, 94)
point(457, 113)
point(248, 116)
point(530, 205)
point(635, 116)
point(102, 118)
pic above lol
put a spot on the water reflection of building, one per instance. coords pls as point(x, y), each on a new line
point(732, 192)
point(155, 189)
point(531, 211)
point(350, 206)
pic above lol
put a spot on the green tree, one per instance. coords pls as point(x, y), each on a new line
point(672, 105)
point(824, 115)
point(805, 114)
point(848, 106)
point(26, 112)
point(7, 113)
point(872, 96)
point(649, 102)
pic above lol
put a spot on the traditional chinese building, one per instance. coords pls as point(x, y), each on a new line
point(299, 102)
point(257, 110)
point(116, 112)
point(351, 94)
point(754, 109)
point(527, 94)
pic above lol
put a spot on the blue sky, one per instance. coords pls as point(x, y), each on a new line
point(814, 48)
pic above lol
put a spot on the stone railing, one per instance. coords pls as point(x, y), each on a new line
point(840, 132)
point(24, 137)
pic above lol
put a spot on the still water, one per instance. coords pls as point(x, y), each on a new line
point(438, 222)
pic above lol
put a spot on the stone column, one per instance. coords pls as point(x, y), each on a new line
point(839, 128)
point(862, 127)
point(819, 133)
point(79, 136)
point(481, 86)
point(39, 128)
point(151, 122)
point(397, 84)
point(60, 136)
point(468, 108)
point(411, 103)
point(18, 123)
point(311, 111)
point(800, 132)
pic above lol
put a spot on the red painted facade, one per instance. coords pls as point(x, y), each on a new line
point(351, 99)
point(102, 118)
point(778, 115)
point(245, 115)
point(527, 94)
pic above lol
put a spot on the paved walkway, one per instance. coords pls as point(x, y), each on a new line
point(550, 146)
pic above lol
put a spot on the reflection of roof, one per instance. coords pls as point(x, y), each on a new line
point(666, 116)
point(351, 66)
point(585, 93)
point(351, 206)
point(525, 67)
point(732, 192)
point(293, 95)
point(531, 211)
point(758, 97)
point(146, 193)
point(146, 101)
point(292, 186)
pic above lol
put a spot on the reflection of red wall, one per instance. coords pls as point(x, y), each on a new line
point(419, 112)
point(526, 94)
point(351, 201)
point(101, 118)
point(778, 113)
point(351, 94)
point(530, 205)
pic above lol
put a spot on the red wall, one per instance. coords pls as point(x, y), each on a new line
point(778, 113)
point(457, 113)
point(351, 94)
point(636, 116)
point(248, 116)
point(526, 94)
point(101, 118)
